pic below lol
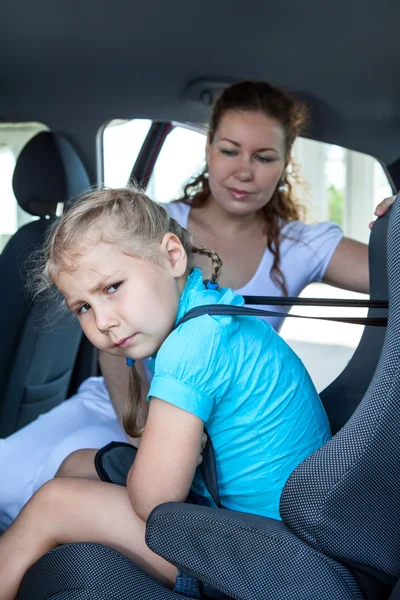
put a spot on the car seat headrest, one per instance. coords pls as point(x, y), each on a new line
point(48, 171)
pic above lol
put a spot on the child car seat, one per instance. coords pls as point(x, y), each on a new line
point(339, 537)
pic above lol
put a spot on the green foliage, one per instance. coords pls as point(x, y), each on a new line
point(335, 204)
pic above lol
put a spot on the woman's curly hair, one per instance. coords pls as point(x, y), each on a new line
point(260, 97)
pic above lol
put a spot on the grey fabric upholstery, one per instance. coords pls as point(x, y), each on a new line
point(246, 556)
point(333, 508)
point(344, 499)
point(37, 355)
point(114, 461)
point(345, 393)
point(102, 573)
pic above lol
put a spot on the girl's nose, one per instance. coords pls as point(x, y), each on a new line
point(105, 320)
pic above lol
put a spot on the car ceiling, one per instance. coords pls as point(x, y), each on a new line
point(93, 61)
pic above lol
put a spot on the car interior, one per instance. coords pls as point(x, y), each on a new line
point(74, 81)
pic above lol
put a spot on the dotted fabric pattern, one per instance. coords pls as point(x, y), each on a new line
point(344, 499)
point(90, 571)
point(246, 556)
point(114, 461)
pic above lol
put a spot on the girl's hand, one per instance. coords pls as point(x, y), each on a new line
point(203, 445)
point(382, 208)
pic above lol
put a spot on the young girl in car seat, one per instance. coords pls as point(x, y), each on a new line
point(125, 269)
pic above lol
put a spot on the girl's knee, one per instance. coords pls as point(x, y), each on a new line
point(69, 465)
point(57, 495)
point(49, 498)
point(50, 508)
point(78, 464)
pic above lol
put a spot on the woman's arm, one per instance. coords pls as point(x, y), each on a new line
point(348, 268)
point(167, 458)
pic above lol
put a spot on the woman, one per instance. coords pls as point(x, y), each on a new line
point(243, 206)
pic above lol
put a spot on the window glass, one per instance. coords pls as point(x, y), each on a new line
point(344, 187)
point(122, 141)
point(181, 157)
point(341, 185)
point(13, 137)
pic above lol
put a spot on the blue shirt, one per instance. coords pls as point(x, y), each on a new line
point(253, 393)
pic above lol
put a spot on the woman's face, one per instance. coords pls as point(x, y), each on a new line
point(246, 161)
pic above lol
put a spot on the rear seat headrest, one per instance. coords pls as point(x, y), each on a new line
point(48, 171)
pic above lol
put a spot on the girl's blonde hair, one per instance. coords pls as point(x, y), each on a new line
point(128, 218)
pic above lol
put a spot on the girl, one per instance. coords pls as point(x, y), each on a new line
point(125, 268)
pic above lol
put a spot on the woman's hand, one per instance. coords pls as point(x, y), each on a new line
point(203, 445)
point(382, 208)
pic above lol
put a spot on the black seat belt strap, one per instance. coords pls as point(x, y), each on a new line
point(295, 301)
point(208, 470)
point(220, 309)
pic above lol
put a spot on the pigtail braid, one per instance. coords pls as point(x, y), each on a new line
point(130, 415)
point(216, 262)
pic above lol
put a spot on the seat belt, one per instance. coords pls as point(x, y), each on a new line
point(236, 311)
point(296, 301)
point(208, 467)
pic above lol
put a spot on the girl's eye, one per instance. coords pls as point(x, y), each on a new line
point(113, 288)
point(83, 309)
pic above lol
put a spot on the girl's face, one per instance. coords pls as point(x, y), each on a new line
point(126, 306)
point(246, 160)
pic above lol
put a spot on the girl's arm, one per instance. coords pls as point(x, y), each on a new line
point(167, 458)
point(348, 268)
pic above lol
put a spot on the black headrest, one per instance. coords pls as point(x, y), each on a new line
point(48, 171)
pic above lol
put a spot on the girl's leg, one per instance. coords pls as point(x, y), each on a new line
point(79, 464)
point(76, 510)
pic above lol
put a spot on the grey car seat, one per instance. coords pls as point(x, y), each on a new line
point(339, 538)
point(36, 356)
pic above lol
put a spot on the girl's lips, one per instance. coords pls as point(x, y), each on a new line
point(124, 342)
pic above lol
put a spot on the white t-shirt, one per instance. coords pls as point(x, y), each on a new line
point(305, 253)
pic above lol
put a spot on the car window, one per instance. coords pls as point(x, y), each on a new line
point(122, 141)
point(341, 185)
point(344, 187)
point(182, 156)
point(13, 137)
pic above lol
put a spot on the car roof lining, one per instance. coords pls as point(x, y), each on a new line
point(100, 60)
